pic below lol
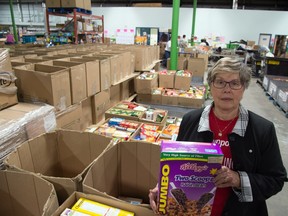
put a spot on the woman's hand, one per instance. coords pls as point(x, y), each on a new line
point(153, 198)
point(226, 177)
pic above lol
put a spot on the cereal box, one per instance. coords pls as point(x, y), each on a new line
point(186, 177)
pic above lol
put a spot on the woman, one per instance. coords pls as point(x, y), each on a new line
point(252, 168)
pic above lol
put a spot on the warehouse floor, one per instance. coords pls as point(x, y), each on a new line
point(257, 101)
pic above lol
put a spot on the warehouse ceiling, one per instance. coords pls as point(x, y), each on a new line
point(278, 5)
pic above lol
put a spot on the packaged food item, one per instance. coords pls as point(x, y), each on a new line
point(97, 209)
point(70, 212)
point(187, 170)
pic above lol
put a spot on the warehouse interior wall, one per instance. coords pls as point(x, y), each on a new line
point(230, 24)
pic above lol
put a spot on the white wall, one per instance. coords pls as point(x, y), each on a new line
point(232, 24)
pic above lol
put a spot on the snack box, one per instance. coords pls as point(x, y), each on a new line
point(97, 209)
point(187, 170)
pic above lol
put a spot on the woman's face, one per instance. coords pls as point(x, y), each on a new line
point(227, 99)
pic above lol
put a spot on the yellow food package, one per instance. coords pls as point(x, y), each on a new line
point(97, 209)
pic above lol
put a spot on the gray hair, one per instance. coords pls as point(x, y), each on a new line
point(230, 65)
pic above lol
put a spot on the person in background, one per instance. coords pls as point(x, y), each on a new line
point(252, 169)
point(167, 52)
point(204, 42)
point(183, 43)
point(9, 38)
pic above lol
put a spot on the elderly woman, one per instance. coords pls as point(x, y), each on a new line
point(252, 168)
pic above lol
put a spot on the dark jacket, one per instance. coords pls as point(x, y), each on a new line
point(263, 164)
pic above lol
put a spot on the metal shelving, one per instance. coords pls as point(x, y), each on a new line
point(74, 16)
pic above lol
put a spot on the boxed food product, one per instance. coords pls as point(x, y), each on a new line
point(145, 82)
point(186, 177)
point(182, 80)
point(96, 209)
point(166, 78)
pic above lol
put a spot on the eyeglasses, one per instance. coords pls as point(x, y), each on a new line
point(233, 84)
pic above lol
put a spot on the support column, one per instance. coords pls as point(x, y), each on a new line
point(13, 21)
point(174, 36)
point(193, 22)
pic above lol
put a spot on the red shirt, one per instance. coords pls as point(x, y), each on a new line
point(222, 194)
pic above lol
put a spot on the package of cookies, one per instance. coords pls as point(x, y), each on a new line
point(187, 170)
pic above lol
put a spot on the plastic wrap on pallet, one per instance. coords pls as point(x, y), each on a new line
point(5, 63)
point(22, 122)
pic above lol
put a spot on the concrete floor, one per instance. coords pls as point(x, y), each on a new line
point(256, 100)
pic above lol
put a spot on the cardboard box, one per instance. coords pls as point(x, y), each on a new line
point(104, 200)
point(149, 98)
point(182, 82)
point(191, 102)
point(61, 157)
point(50, 84)
point(26, 194)
point(53, 3)
point(87, 5)
point(182, 63)
point(70, 118)
point(87, 114)
point(127, 88)
point(169, 100)
point(115, 94)
point(126, 169)
point(8, 90)
point(196, 66)
point(100, 103)
point(92, 75)
point(144, 86)
point(104, 68)
point(187, 171)
point(77, 72)
point(167, 80)
point(72, 3)
point(115, 112)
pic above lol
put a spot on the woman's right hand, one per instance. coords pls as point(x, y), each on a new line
point(153, 198)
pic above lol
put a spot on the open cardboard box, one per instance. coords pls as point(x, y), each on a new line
point(77, 72)
point(26, 194)
point(127, 169)
point(61, 157)
point(44, 83)
point(103, 200)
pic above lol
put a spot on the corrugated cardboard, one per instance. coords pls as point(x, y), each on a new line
point(126, 169)
point(61, 157)
point(53, 3)
point(92, 75)
point(169, 100)
point(8, 90)
point(77, 72)
point(104, 200)
point(44, 83)
point(191, 102)
point(144, 86)
point(167, 80)
point(72, 3)
point(196, 66)
point(70, 118)
point(149, 98)
point(87, 4)
point(115, 94)
point(87, 114)
point(26, 194)
point(100, 103)
point(104, 66)
point(182, 82)
point(127, 88)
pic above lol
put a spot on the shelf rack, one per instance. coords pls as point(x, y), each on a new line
point(74, 15)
